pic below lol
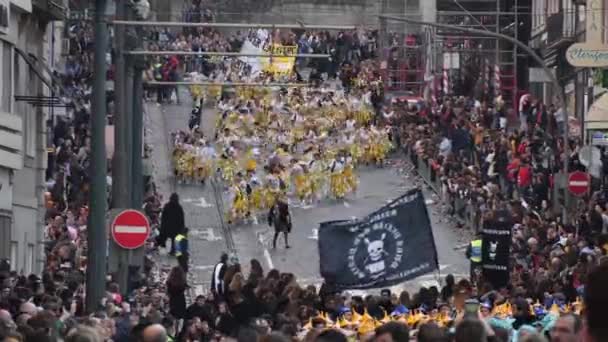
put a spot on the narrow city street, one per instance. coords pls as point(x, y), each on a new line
point(377, 187)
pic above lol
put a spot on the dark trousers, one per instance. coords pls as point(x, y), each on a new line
point(182, 260)
point(276, 236)
point(475, 271)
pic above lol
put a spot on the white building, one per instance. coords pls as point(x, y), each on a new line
point(24, 81)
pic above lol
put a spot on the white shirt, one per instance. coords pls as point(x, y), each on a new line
point(297, 170)
point(525, 99)
point(350, 124)
point(388, 115)
point(559, 115)
point(348, 139)
point(208, 152)
point(337, 166)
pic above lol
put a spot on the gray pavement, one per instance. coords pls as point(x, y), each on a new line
point(201, 214)
point(377, 187)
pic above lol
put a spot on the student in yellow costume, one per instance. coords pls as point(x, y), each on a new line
point(186, 165)
point(272, 187)
point(350, 178)
point(178, 152)
point(318, 176)
point(214, 92)
point(255, 192)
point(337, 182)
point(257, 203)
point(301, 180)
point(382, 145)
point(238, 198)
point(228, 166)
point(379, 146)
point(202, 165)
point(363, 116)
point(365, 140)
point(206, 155)
point(197, 92)
point(351, 146)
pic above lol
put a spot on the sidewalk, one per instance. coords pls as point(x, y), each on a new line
point(201, 216)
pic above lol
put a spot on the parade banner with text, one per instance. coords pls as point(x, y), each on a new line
point(282, 65)
point(495, 248)
point(389, 246)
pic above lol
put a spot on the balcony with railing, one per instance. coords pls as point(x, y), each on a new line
point(561, 29)
point(51, 10)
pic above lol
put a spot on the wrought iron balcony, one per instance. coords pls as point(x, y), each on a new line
point(51, 10)
point(561, 30)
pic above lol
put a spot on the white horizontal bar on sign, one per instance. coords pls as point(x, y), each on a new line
point(131, 229)
point(579, 183)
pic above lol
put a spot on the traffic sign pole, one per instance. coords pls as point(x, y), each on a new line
point(129, 231)
point(579, 183)
point(97, 235)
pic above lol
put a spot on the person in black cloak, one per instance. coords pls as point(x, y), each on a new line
point(176, 289)
point(171, 222)
point(280, 218)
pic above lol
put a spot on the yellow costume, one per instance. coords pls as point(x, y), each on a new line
point(257, 201)
point(197, 92)
point(178, 152)
point(311, 127)
point(356, 153)
point(203, 170)
point(239, 208)
point(337, 184)
point(350, 178)
point(186, 165)
point(271, 190)
point(363, 117)
point(302, 186)
point(215, 92)
point(228, 168)
point(317, 182)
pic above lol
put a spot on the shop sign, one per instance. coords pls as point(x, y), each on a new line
point(599, 139)
point(587, 55)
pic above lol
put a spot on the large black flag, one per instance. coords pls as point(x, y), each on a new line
point(495, 248)
point(389, 246)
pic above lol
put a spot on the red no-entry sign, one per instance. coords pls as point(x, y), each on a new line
point(579, 183)
point(130, 229)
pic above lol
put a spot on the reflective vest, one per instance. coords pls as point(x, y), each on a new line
point(475, 251)
point(180, 245)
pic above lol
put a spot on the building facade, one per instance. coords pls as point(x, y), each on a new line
point(556, 25)
point(480, 65)
point(24, 41)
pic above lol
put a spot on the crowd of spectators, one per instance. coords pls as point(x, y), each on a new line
point(345, 49)
point(489, 159)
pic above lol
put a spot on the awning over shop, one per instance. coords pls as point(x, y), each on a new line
point(597, 116)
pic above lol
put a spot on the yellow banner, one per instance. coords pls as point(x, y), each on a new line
point(281, 65)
